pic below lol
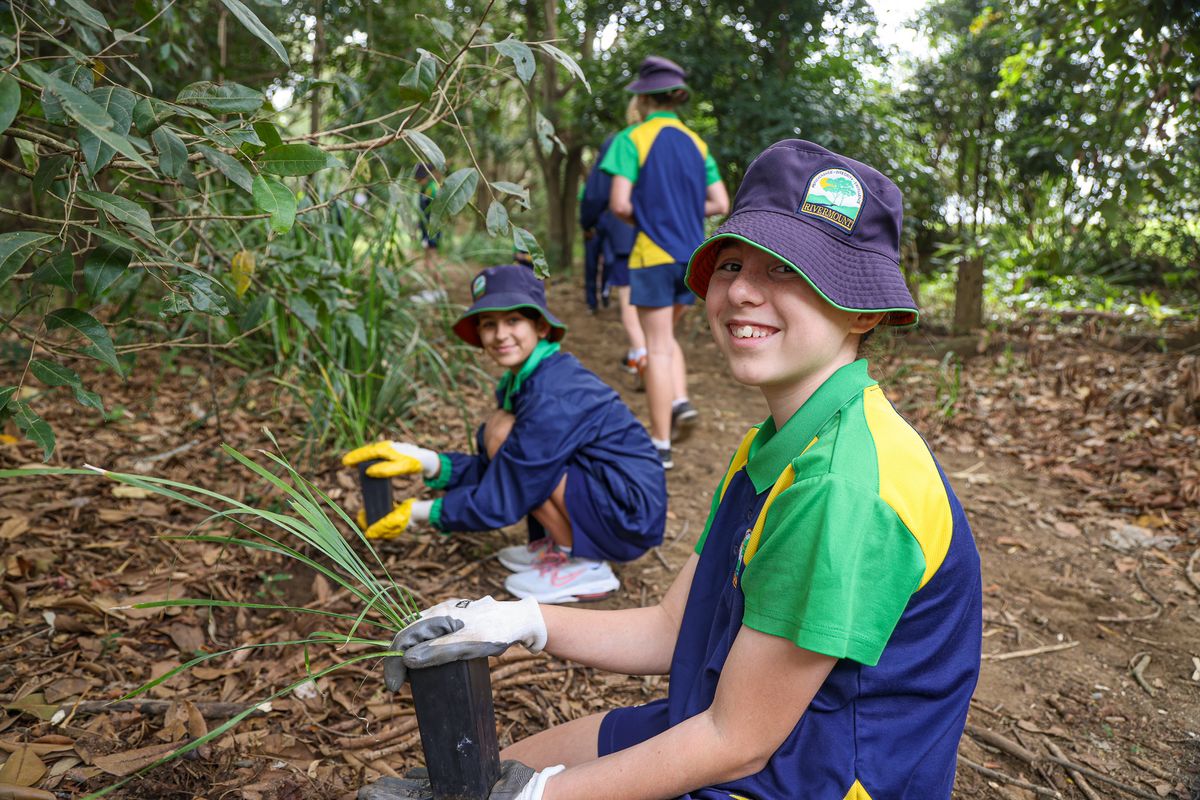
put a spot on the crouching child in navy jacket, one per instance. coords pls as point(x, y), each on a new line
point(561, 448)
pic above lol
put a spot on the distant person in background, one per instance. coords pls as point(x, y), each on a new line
point(614, 240)
point(427, 180)
point(665, 182)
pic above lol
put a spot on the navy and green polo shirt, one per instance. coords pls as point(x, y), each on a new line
point(840, 533)
point(671, 169)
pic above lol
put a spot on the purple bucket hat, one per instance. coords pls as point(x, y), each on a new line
point(505, 288)
point(657, 74)
point(834, 220)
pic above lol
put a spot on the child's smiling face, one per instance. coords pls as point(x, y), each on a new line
point(509, 336)
point(775, 331)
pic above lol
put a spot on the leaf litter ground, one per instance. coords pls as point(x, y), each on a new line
point(1075, 456)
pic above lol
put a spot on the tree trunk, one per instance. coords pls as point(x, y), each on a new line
point(314, 124)
point(968, 295)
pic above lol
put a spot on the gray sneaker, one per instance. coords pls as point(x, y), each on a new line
point(683, 419)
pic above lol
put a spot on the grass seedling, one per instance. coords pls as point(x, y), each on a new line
point(308, 530)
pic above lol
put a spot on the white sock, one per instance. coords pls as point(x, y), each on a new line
point(638, 353)
point(661, 444)
point(678, 401)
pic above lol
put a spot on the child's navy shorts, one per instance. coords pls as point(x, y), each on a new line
point(616, 273)
point(656, 287)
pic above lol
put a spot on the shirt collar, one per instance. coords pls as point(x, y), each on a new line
point(772, 450)
point(510, 384)
point(664, 114)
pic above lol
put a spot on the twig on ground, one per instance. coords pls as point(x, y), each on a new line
point(1137, 668)
point(1006, 745)
point(1080, 781)
point(1036, 651)
point(987, 772)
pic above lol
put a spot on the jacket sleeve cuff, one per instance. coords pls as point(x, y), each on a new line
point(435, 516)
point(442, 479)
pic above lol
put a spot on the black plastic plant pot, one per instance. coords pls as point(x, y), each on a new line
point(458, 734)
point(458, 728)
point(376, 492)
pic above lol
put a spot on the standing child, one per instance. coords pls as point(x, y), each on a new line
point(615, 243)
point(665, 182)
point(823, 641)
point(561, 448)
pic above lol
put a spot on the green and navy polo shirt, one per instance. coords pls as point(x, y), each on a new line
point(671, 169)
point(840, 533)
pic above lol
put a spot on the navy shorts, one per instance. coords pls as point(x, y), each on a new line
point(617, 273)
point(599, 531)
point(657, 287)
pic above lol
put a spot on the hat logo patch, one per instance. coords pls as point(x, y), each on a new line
point(834, 195)
point(478, 286)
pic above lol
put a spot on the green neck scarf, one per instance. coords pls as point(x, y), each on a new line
point(510, 382)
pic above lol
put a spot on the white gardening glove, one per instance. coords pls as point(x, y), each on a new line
point(519, 782)
point(457, 630)
point(395, 458)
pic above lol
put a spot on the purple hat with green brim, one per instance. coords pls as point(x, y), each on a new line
point(505, 288)
point(657, 74)
point(834, 220)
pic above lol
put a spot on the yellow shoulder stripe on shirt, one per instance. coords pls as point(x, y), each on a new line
point(643, 136)
point(739, 460)
point(784, 481)
point(909, 481)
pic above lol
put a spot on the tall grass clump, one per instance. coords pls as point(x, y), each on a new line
point(328, 314)
point(309, 532)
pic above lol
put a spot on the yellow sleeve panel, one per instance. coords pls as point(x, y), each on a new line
point(909, 480)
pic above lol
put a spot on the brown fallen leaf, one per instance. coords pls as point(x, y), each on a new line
point(130, 761)
point(23, 768)
point(9, 791)
point(1066, 530)
point(63, 688)
point(13, 527)
point(34, 704)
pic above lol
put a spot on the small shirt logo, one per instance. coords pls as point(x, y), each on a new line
point(834, 195)
point(741, 557)
point(478, 286)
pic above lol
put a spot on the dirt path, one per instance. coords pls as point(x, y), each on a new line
point(1063, 453)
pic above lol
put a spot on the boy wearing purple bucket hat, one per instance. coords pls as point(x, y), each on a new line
point(665, 182)
point(562, 449)
point(823, 640)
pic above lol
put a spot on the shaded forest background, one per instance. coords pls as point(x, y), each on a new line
point(238, 175)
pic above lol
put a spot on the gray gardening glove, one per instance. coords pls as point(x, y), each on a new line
point(519, 782)
point(457, 630)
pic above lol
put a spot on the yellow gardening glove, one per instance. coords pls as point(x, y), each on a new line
point(396, 458)
point(395, 523)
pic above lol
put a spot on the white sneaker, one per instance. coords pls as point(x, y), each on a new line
point(560, 579)
point(521, 557)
